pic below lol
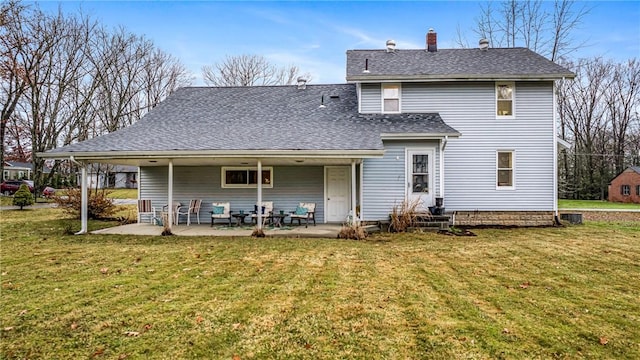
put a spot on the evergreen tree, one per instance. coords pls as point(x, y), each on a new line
point(23, 197)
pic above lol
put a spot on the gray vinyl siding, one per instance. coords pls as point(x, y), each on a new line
point(470, 161)
point(370, 98)
point(384, 179)
point(291, 185)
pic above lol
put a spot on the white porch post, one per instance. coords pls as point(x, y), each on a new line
point(139, 196)
point(354, 219)
point(361, 192)
point(84, 201)
point(259, 187)
point(170, 195)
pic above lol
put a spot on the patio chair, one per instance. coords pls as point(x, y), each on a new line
point(221, 210)
point(306, 212)
point(145, 208)
point(194, 208)
point(267, 209)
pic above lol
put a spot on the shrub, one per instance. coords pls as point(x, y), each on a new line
point(404, 216)
point(23, 197)
point(258, 232)
point(99, 206)
point(352, 231)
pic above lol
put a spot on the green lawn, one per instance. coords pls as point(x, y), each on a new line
point(595, 204)
point(518, 293)
point(123, 193)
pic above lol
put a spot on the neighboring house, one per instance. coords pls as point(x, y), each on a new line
point(17, 170)
point(626, 186)
point(100, 176)
point(476, 127)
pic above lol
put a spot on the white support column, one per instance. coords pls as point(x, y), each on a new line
point(354, 219)
point(84, 201)
point(138, 182)
point(170, 195)
point(555, 149)
point(259, 187)
point(361, 192)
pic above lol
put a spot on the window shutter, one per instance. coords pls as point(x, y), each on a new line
point(621, 189)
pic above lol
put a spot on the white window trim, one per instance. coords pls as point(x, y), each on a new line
point(513, 100)
point(382, 86)
point(513, 170)
point(223, 180)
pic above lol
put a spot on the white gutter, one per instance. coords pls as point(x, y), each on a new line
point(455, 77)
point(176, 154)
point(417, 136)
point(555, 153)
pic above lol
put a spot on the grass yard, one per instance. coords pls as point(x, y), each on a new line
point(595, 204)
point(519, 293)
point(123, 193)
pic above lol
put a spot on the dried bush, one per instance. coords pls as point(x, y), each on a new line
point(99, 206)
point(23, 197)
point(353, 231)
point(404, 216)
point(258, 232)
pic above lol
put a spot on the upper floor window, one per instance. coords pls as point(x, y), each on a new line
point(505, 170)
point(390, 98)
point(505, 95)
point(246, 177)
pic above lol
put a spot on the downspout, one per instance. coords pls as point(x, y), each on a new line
point(443, 145)
point(84, 200)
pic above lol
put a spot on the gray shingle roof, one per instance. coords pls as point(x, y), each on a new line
point(635, 168)
point(259, 118)
point(495, 63)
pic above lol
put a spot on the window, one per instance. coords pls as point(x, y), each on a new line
point(246, 177)
point(390, 98)
point(638, 190)
point(505, 170)
point(625, 190)
point(505, 93)
point(420, 174)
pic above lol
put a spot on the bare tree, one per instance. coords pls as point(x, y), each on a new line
point(249, 70)
point(532, 24)
point(13, 70)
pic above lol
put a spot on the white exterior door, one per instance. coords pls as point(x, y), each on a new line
point(420, 177)
point(337, 189)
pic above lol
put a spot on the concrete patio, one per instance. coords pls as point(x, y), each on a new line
point(318, 231)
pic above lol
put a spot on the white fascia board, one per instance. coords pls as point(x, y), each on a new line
point(457, 77)
point(417, 136)
point(97, 155)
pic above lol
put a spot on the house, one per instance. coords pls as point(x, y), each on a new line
point(625, 187)
point(100, 176)
point(14, 170)
point(475, 128)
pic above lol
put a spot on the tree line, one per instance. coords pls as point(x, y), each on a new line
point(65, 78)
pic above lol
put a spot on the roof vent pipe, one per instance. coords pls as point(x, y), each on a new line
point(432, 41)
point(483, 44)
point(366, 66)
point(391, 45)
point(302, 83)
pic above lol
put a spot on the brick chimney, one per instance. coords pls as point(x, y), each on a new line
point(432, 41)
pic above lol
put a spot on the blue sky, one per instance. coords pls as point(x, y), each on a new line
point(316, 34)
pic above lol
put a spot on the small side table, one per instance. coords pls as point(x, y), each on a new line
point(239, 218)
point(278, 219)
